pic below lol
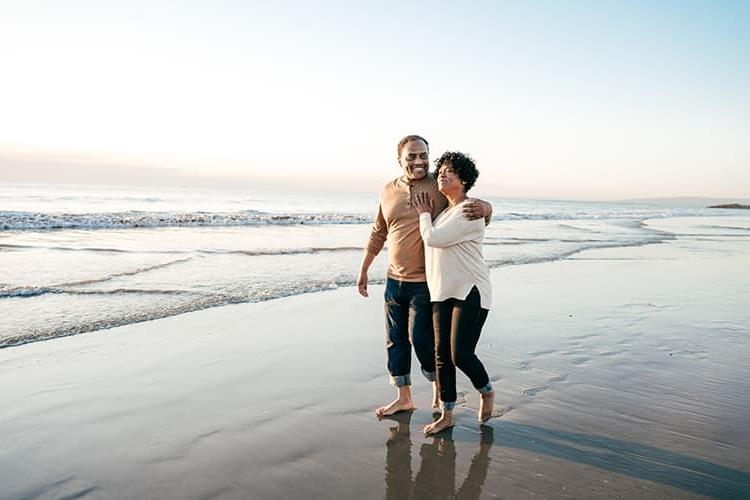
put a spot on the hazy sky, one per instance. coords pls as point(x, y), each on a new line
point(553, 99)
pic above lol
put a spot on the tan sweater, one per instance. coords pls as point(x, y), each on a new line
point(397, 222)
point(453, 256)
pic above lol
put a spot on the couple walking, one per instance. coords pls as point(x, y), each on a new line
point(438, 290)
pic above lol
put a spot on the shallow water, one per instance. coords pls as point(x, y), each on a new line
point(78, 259)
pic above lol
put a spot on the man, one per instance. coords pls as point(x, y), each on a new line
point(407, 300)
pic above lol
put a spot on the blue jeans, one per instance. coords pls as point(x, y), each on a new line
point(408, 320)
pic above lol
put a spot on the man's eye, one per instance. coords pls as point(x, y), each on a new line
point(423, 156)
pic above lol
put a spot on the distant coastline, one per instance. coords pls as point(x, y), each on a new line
point(730, 205)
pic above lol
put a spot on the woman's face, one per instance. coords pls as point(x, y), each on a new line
point(448, 180)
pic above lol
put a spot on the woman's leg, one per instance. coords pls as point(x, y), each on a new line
point(466, 326)
point(442, 313)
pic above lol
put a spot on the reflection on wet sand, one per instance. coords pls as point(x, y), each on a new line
point(436, 477)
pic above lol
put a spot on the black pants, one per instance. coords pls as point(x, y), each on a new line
point(458, 324)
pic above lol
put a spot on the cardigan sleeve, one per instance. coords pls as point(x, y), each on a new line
point(451, 231)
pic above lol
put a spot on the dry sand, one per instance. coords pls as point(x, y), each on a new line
point(620, 373)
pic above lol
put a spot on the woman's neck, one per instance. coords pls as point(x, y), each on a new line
point(455, 198)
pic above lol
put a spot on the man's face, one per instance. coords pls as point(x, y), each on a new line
point(415, 159)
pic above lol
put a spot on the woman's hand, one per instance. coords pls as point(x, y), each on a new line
point(422, 203)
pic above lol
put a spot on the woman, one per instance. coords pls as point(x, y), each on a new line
point(459, 284)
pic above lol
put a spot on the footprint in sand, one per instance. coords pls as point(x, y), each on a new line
point(537, 354)
point(580, 361)
point(499, 412)
point(461, 398)
point(530, 393)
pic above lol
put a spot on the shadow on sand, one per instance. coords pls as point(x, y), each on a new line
point(436, 476)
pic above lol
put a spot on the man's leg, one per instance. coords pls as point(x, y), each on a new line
point(398, 348)
point(422, 333)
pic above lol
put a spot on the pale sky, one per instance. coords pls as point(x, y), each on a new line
point(588, 99)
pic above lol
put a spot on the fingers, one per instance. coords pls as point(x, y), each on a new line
point(472, 211)
point(422, 199)
point(473, 214)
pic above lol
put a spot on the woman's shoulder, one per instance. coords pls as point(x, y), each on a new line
point(459, 207)
point(456, 212)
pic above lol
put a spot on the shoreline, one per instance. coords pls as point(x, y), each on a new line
point(103, 325)
point(619, 372)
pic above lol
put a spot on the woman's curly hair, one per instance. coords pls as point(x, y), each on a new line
point(462, 164)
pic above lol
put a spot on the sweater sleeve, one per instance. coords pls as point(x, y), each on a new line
point(452, 231)
point(378, 233)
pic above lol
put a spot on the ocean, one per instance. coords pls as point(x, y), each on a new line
point(77, 259)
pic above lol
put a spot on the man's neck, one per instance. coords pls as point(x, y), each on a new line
point(409, 180)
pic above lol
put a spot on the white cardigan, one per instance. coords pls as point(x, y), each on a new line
point(453, 256)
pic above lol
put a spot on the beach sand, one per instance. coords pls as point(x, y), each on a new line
point(620, 373)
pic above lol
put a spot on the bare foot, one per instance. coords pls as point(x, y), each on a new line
point(395, 406)
point(444, 422)
point(486, 404)
point(435, 396)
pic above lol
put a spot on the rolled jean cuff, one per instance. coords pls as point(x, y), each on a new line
point(486, 389)
point(401, 380)
point(431, 376)
point(447, 405)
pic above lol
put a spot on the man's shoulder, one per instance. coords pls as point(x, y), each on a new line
point(391, 184)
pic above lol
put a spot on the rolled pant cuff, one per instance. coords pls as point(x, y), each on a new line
point(431, 376)
point(486, 389)
point(401, 380)
point(447, 405)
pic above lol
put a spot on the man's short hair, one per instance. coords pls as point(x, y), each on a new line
point(410, 138)
point(462, 164)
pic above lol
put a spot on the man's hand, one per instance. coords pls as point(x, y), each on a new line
point(362, 284)
point(477, 209)
point(362, 275)
point(422, 203)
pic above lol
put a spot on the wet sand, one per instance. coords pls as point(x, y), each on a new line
point(621, 373)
